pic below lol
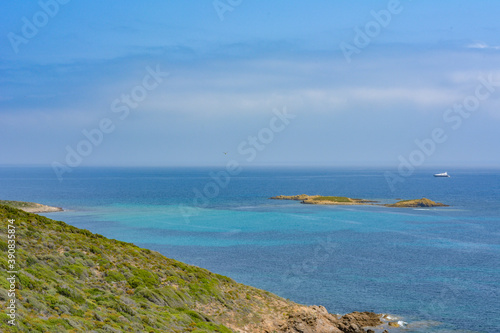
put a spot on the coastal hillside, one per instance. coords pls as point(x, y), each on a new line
point(71, 280)
point(30, 207)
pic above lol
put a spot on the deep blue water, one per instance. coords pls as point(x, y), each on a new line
point(425, 265)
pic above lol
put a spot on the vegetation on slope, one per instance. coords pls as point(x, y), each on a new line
point(71, 280)
point(333, 199)
point(30, 207)
point(16, 204)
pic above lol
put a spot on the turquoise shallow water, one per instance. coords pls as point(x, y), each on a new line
point(426, 265)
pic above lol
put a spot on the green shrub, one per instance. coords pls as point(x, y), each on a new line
point(114, 276)
point(143, 277)
point(71, 294)
point(210, 327)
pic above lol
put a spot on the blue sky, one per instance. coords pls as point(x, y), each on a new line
point(226, 76)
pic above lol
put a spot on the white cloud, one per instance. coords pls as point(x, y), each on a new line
point(328, 99)
point(482, 45)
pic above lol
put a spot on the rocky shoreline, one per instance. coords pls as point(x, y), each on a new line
point(316, 319)
point(335, 200)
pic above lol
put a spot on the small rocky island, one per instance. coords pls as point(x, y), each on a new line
point(334, 200)
point(30, 207)
point(424, 202)
point(323, 200)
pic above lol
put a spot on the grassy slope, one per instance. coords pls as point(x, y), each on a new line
point(333, 199)
point(17, 204)
point(74, 280)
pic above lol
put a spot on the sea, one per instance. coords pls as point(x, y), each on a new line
point(433, 269)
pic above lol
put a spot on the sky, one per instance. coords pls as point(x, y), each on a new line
point(195, 83)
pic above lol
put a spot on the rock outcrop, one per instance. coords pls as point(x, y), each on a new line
point(316, 319)
point(424, 202)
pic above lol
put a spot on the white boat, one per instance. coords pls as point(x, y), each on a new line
point(444, 174)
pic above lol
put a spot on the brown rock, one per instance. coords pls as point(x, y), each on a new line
point(363, 319)
point(316, 319)
point(424, 202)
